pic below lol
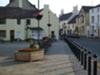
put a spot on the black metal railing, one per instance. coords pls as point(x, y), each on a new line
point(85, 57)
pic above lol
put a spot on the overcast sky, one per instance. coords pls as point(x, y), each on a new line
point(57, 5)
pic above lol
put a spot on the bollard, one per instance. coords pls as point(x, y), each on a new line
point(94, 65)
point(85, 59)
point(89, 63)
point(82, 56)
point(79, 53)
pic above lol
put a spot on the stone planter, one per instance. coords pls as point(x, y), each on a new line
point(29, 55)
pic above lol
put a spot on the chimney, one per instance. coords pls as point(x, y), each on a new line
point(62, 11)
point(46, 6)
point(75, 10)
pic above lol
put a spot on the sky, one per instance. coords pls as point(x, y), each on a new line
point(57, 5)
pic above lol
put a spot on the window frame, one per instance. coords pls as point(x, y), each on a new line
point(2, 21)
point(28, 22)
point(18, 21)
point(93, 19)
point(2, 33)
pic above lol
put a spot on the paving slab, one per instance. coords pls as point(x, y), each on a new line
point(59, 60)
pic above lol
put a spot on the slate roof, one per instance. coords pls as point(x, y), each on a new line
point(86, 8)
point(65, 16)
point(73, 20)
point(16, 12)
point(25, 5)
point(96, 6)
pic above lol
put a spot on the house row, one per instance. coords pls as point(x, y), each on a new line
point(66, 25)
point(18, 21)
point(85, 23)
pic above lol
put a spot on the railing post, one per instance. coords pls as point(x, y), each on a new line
point(89, 63)
point(85, 59)
point(94, 65)
point(79, 52)
point(82, 56)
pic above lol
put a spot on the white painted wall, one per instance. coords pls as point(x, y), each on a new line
point(94, 12)
point(20, 32)
point(54, 21)
point(11, 24)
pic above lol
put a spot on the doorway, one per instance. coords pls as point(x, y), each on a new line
point(11, 35)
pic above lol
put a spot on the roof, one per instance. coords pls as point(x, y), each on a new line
point(16, 12)
point(25, 5)
point(96, 6)
point(86, 8)
point(65, 16)
point(73, 20)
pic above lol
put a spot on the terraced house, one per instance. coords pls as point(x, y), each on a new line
point(94, 27)
point(83, 21)
point(18, 21)
point(66, 21)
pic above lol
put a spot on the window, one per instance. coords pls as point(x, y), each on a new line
point(92, 10)
point(18, 21)
point(28, 22)
point(82, 19)
point(98, 19)
point(98, 9)
point(64, 25)
point(3, 33)
point(92, 19)
point(73, 26)
point(68, 27)
point(83, 28)
point(92, 28)
point(2, 21)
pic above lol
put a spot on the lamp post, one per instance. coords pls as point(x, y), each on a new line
point(38, 17)
point(49, 25)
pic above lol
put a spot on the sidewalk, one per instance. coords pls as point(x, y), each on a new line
point(61, 49)
point(59, 60)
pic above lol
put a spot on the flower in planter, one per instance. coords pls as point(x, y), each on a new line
point(26, 50)
point(33, 48)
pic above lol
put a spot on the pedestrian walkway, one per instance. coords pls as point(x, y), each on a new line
point(59, 60)
point(61, 52)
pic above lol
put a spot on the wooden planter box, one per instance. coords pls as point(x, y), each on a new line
point(29, 56)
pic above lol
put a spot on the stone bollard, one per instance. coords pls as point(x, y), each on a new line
point(89, 63)
point(82, 55)
point(94, 65)
point(85, 59)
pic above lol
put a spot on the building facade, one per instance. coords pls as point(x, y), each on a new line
point(83, 21)
point(73, 26)
point(64, 21)
point(18, 21)
point(94, 27)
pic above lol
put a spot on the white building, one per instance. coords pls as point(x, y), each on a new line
point(18, 21)
point(65, 18)
point(94, 27)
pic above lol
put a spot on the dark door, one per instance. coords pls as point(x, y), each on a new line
point(11, 35)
